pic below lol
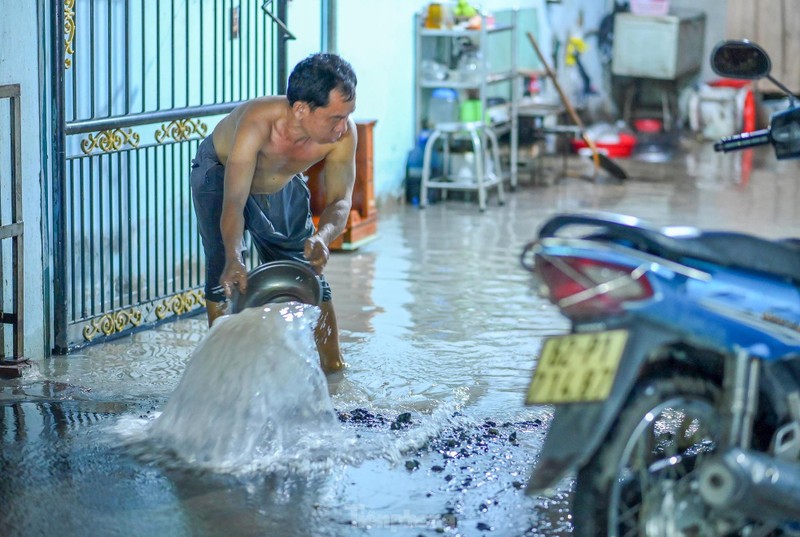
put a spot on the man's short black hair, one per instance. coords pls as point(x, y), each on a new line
point(313, 79)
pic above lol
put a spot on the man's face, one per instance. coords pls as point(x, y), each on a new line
point(327, 124)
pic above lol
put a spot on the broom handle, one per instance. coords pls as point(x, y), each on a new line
point(565, 100)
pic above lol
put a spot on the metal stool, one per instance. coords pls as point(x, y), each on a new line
point(477, 131)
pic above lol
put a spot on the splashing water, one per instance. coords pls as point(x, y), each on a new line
point(253, 395)
point(253, 399)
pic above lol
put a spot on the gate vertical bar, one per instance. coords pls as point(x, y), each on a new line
point(93, 66)
point(158, 54)
point(282, 49)
point(328, 27)
point(127, 64)
point(60, 312)
point(44, 15)
point(109, 63)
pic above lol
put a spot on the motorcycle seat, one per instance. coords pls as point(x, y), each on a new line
point(747, 252)
point(729, 249)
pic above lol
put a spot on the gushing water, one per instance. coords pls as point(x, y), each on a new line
point(253, 395)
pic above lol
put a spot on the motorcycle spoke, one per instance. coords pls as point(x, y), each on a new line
point(629, 520)
point(659, 470)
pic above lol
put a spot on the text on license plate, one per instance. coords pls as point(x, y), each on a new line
point(577, 368)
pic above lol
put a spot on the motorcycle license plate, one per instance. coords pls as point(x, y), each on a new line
point(577, 368)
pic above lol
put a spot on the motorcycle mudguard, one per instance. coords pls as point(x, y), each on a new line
point(578, 428)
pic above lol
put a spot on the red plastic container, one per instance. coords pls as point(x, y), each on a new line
point(648, 125)
point(621, 149)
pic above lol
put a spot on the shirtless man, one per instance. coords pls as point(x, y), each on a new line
point(248, 175)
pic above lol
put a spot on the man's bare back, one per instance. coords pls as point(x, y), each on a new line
point(281, 155)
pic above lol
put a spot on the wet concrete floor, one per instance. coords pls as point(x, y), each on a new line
point(440, 331)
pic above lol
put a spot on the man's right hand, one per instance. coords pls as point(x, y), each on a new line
point(233, 276)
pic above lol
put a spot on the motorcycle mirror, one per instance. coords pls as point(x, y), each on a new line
point(740, 59)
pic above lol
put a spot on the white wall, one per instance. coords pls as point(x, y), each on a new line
point(716, 18)
point(304, 21)
point(19, 65)
point(380, 44)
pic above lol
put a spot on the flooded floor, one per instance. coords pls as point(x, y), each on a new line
point(440, 331)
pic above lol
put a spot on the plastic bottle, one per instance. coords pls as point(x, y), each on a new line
point(433, 20)
point(443, 106)
point(469, 65)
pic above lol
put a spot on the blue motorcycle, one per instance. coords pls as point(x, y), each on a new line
point(677, 390)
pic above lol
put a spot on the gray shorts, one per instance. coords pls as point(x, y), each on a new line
point(278, 223)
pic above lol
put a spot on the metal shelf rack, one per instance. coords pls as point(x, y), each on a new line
point(442, 45)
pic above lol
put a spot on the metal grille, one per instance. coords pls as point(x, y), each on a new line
point(143, 82)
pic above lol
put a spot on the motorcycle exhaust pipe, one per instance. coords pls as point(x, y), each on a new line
point(754, 484)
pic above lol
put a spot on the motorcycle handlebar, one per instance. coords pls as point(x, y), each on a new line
point(744, 140)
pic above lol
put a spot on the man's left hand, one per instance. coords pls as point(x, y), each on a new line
point(317, 253)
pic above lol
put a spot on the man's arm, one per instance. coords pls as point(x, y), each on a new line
point(239, 170)
point(339, 176)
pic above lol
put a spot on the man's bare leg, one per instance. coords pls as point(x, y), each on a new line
point(214, 310)
point(326, 335)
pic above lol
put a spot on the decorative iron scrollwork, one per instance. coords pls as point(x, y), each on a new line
point(122, 320)
point(110, 140)
point(181, 129)
point(69, 31)
point(112, 323)
point(180, 303)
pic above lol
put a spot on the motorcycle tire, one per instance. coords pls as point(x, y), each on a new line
point(641, 481)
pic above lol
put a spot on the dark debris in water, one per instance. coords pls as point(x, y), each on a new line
point(478, 468)
point(469, 460)
point(401, 422)
point(412, 465)
point(362, 417)
point(458, 443)
point(459, 446)
point(365, 418)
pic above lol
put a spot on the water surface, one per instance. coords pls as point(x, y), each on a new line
point(440, 330)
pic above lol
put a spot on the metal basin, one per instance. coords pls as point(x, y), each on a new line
point(278, 281)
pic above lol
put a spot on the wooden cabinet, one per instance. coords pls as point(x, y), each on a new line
point(362, 223)
point(775, 25)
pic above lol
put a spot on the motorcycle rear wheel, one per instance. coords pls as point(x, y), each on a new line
point(642, 480)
